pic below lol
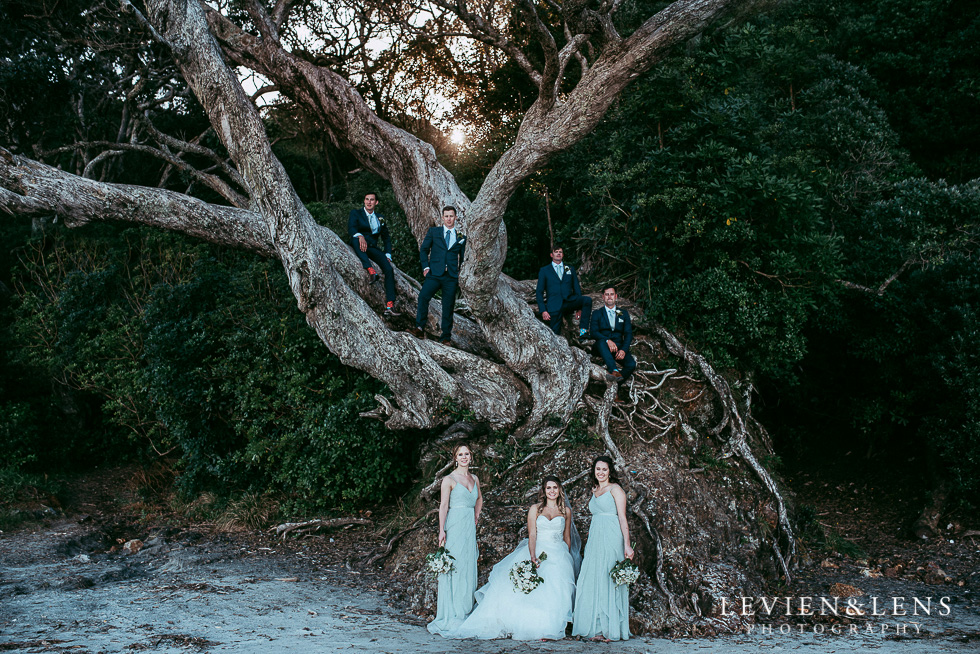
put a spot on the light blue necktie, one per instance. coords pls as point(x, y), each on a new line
point(448, 234)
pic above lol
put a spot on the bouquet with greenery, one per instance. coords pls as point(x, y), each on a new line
point(624, 572)
point(524, 574)
point(440, 562)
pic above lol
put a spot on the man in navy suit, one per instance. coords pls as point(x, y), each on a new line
point(366, 228)
point(559, 292)
point(441, 256)
point(613, 332)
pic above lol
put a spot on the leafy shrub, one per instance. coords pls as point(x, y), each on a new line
point(198, 352)
point(19, 434)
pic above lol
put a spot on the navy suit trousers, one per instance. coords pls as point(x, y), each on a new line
point(433, 283)
point(377, 256)
point(574, 303)
point(626, 366)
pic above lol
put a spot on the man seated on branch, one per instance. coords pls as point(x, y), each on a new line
point(613, 331)
point(366, 228)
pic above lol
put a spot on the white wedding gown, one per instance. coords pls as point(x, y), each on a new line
point(504, 612)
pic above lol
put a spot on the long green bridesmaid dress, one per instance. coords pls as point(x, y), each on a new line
point(601, 607)
point(456, 588)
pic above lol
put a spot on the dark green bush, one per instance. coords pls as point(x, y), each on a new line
point(200, 351)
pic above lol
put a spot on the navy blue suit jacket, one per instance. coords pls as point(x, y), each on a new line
point(621, 333)
point(434, 255)
point(557, 290)
point(358, 223)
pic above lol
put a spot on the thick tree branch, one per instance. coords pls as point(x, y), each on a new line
point(317, 262)
point(30, 188)
point(548, 130)
point(267, 28)
point(482, 30)
point(551, 74)
point(422, 186)
point(281, 11)
point(196, 148)
point(213, 182)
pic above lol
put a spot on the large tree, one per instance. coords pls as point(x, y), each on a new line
point(509, 370)
point(505, 369)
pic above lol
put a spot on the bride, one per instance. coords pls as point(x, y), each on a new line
point(543, 613)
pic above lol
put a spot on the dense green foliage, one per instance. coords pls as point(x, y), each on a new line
point(179, 346)
point(755, 195)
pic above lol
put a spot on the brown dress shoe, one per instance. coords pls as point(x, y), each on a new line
point(615, 375)
point(446, 341)
point(416, 332)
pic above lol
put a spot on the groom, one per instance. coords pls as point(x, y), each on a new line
point(441, 256)
point(613, 331)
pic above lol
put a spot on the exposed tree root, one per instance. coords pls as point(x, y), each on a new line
point(419, 523)
point(430, 490)
point(737, 443)
point(436, 448)
point(637, 509)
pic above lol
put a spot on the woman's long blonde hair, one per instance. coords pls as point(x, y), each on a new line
point(543, 499)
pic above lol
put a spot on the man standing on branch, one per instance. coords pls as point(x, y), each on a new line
point(441, 255)
point(559, 292)
point(613, 332)
point(365, 227)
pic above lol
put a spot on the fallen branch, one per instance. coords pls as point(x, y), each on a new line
point(317, 524)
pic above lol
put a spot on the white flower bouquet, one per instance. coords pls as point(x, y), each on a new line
point(624, 572)
point(524, 575)
point(440, 562)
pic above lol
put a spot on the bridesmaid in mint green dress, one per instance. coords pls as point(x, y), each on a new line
point(602, 609)
point(459, 512)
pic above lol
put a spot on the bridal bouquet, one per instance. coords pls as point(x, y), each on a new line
point(524, 574)
point(624, 572)
point(440, 562)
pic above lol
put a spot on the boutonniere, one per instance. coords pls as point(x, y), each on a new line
point(381, 219)
point(567, 270)
point(619, 314)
